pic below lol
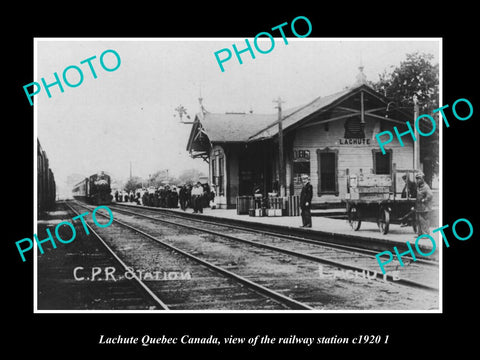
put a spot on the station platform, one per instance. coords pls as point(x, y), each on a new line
point(322, 224)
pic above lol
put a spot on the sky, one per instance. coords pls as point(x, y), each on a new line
point(127, 115)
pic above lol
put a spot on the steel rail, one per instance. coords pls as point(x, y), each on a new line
point(371, 253)
point(391, 278)
point(125, 266)
point(285, 300)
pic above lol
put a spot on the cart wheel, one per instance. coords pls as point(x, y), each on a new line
point(353, 219)
point(384, 221)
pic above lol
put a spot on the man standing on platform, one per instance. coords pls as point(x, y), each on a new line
point(306, 201)
point(182, 195)
point(423, 205)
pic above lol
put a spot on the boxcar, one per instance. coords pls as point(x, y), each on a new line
point(46, 189)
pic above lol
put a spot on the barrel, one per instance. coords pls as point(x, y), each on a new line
point(244, 203)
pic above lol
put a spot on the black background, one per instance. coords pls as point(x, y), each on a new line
point(410, 334)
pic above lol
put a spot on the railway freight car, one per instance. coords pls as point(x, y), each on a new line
point(94, 189)
point(46, 190)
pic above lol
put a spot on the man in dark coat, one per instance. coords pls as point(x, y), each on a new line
point(162, 197)
point(174, 197)
point(409, 189)
point(205, 197)
point(189, 196)
point(145, 200)
point(182, 195)
point(306, 201)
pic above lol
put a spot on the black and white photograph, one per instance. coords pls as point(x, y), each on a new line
point(208, 180)
point(255, 186)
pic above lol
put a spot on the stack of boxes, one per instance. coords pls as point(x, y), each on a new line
point(276, 206)
point(257, 209)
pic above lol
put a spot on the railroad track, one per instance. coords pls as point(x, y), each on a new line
point(67, 275)
point(303, 284)
point(125, 267)
point(213, 286)
point(349, 258)
point(305, 238)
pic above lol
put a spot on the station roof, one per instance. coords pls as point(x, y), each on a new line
point(211, 128)
point(234, 127)
point(299, 113)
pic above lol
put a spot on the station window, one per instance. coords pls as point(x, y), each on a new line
point(382, 163)
point(327, 171)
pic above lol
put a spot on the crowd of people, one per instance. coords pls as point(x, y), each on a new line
point(124, 196)
point(196, 197)
point(199, 196)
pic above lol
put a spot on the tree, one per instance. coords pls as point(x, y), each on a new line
point(190, 176)
point(133, 184)
point(416, 76)
point(162, 177)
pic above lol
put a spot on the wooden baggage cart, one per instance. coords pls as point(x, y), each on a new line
point(375, 198)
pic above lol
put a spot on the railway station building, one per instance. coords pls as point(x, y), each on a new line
point(327, 138)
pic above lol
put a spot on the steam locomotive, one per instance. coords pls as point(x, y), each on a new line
point(94, 190)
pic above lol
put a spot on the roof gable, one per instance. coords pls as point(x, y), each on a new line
point(304, 113)
point(295, 116)
point(243, 127)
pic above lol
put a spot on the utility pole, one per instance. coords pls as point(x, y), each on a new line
point(281, 167)
point(416, 144)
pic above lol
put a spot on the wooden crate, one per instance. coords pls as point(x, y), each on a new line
point(369, 196)
point(371, 189)
point(373, 180)
point(274, 212)
point(293, 206)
